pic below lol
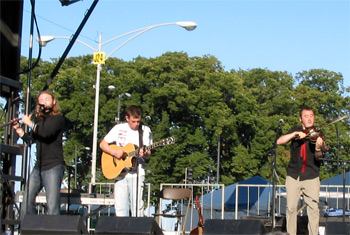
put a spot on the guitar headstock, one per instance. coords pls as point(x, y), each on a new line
point(197, 203)
point(167, 141)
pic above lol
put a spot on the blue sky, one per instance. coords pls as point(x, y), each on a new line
point(278, 35)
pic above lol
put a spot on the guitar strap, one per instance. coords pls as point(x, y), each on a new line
point(140, 136)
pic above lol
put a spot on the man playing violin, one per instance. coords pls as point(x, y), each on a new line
point(303, 171)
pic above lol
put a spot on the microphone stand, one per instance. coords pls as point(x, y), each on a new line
point(137, 184)
point(137, 165)
point(137, 169)
point(70, 172)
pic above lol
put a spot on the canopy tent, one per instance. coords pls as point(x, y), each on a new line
point(252, 200)
point(337, 180)
point(332, 193)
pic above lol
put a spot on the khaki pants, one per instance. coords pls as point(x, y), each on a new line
point(310, 189)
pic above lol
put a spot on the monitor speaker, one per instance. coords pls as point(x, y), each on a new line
point(53, 224)
point(218, 226)
point(337, 228)
point(127, 225)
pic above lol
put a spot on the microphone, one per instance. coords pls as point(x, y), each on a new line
point(147, 119)
point(279, 128)
point(44, 108)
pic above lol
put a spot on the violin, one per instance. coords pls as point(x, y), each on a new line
point(313, 133)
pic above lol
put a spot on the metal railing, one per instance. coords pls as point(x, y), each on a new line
point(249, 200)
point(253, 194)
point(332, 195)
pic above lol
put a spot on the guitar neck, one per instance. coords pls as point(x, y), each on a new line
point(149, 147)
point(156, 144)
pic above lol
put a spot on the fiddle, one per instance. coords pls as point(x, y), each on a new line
point(313, 133)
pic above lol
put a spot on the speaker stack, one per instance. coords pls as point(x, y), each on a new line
point(218, 226)
point(127, 225)
point(53, 224)
point(337, 228)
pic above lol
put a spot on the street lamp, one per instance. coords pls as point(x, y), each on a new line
point(119, 99)
point(99, 58)
point(112, 88)
point(76, 150)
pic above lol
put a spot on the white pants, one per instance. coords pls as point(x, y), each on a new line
point(125, 195)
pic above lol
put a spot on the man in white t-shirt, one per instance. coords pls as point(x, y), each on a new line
point(125, 185)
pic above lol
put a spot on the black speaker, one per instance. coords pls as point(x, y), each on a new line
point(127, 225)
point(53, 224)
point(218, 226)
point(338, 228)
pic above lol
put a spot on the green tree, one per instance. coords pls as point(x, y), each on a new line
point(195, 100)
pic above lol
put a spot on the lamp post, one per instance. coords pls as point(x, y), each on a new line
point(99, 58)
point(76, 150)
point(119, 99)
point(112, 88)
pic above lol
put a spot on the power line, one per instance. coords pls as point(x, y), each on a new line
point(60, 26)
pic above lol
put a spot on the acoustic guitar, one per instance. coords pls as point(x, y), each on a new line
point(199, 229)
point(112, 167)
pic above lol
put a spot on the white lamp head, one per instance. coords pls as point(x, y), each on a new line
point(43, 40)
point(188, 25)
point(111, 87)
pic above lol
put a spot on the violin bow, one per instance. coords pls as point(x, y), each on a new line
point(336, 120)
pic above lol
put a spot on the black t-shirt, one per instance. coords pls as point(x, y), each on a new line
point(48, 138)
point(312, 165)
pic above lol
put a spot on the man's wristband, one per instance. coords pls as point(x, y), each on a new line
point(318, 150)
point(31, 126)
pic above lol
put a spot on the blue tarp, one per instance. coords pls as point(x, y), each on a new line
point(215, 198)
point(337, 180)
point(333, 196)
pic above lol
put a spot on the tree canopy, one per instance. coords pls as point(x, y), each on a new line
point(199, 103)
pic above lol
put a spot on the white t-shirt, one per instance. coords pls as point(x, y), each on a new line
point(122, 134)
